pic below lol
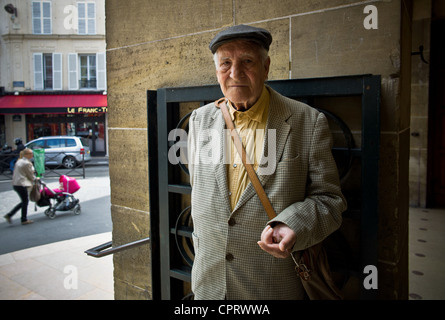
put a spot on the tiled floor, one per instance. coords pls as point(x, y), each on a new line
point(426, 254)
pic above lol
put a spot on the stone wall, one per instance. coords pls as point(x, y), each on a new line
point(158, 44)
point(419, 103)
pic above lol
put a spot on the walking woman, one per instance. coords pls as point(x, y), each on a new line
point(22, 181)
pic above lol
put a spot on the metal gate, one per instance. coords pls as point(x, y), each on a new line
point(356, 151)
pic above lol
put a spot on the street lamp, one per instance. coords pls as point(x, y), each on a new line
point(9, 8)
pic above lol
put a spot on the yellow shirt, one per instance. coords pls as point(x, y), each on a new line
point(251, 126)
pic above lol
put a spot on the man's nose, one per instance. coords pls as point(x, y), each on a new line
point(237, 71)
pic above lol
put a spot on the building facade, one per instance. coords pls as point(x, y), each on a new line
point(53, 71)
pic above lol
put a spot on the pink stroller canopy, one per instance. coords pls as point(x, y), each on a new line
point(70, 185)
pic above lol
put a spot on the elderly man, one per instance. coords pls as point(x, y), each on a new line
point(239, 252)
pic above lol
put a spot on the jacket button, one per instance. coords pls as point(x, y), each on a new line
point(232, 222)
point(229, 257)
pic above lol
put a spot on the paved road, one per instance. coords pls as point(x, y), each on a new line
point(95, 217)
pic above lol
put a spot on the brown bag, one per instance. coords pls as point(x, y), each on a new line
point(34, 195)
point(315, 274)
point(312, 264)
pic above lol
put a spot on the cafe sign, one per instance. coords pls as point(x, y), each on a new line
point(87, 110)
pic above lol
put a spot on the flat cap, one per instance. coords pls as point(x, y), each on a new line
point(259, 35)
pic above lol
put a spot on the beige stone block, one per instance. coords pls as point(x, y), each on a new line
point(419, 133)
point(419, 100)
point(340, 45)
point(279, 48)
point(128, 161)
point(132, 267)
point(421, 9)
point(389, 197)
point(139, 21)
point(417, 177)
point(127, 291)
point(333, 43)
point(393, 216)
point(253, 10)
point(390, 104)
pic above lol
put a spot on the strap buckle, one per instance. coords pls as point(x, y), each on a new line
point(301, 269)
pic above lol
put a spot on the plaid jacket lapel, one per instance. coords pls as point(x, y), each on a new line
point(220, 166)
point(278, 114)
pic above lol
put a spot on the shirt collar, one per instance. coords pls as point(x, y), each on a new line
point(257, 111)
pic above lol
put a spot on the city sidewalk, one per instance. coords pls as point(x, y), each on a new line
point(97, 161)
point(58, 271)
point(49, 271)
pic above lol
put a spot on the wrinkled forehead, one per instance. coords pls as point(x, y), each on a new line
point(238, 48)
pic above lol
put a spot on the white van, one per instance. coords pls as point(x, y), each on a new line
point(68, 151)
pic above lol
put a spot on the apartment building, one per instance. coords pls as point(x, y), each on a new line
point(53, 70)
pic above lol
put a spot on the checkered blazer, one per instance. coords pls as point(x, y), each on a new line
point(303, 189)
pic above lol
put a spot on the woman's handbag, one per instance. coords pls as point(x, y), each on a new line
point(312, 264)
point(34, 195)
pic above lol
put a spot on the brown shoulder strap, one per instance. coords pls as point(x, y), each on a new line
point(242, 152)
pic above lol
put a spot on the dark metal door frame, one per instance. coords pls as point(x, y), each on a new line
point(163, 106)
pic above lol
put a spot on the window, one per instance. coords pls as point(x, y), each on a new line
point(87, 71)
point(71, 143)
point(86, 17)
point(37, 145)
point(41, 17)
point(55, 143)
point(47, 71)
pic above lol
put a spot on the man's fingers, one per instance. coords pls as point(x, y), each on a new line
point(273, 249)
point(267, 235)
point(277, 241)
point(284, 244)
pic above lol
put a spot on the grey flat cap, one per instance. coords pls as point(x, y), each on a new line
point(259, 35)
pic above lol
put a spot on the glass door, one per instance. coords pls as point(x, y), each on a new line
point(94, 133)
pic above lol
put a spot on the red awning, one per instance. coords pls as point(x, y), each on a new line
point(58, 103)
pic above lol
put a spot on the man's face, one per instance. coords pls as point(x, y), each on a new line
point(241, 72)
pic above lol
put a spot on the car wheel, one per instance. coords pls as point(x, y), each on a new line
point(69, 162)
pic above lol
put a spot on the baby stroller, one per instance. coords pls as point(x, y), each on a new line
point(61, 199)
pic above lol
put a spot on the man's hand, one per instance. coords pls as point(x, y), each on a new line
point(277, 241)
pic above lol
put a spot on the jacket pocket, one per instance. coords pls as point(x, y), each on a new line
point(289, 161)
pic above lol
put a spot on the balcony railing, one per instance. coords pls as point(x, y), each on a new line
point(87, 84)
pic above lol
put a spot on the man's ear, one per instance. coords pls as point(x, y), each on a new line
point(266, 67)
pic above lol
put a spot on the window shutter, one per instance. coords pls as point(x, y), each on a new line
point(38, 71)
point(73, 83)
point(91, 18)
point(57, 71)
point(46, 6)
point(101, 64)
point(81, 18)
point(36, 16)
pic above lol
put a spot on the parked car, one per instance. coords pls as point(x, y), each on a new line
point(62, 150)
